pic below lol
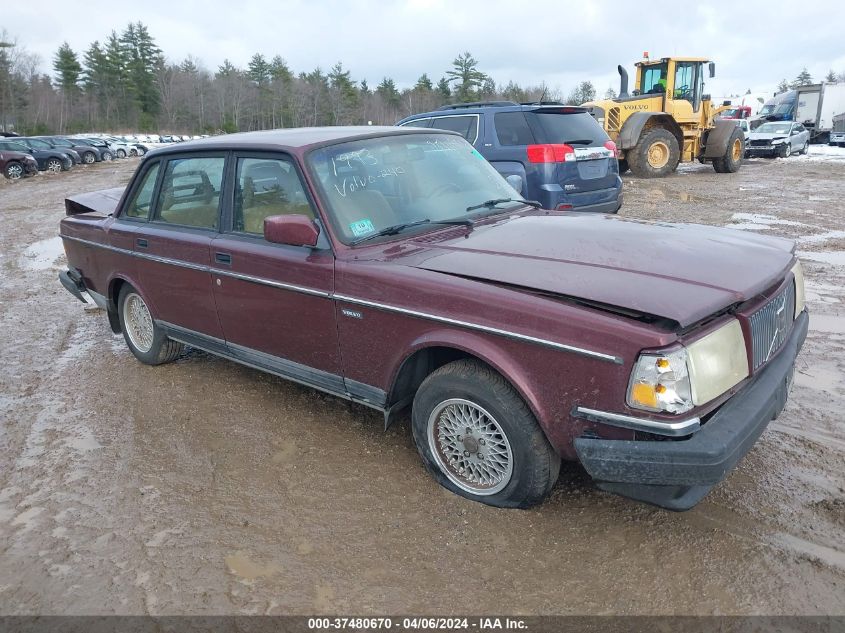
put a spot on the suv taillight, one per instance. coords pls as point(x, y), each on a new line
point(550, 153)
point(612, 147)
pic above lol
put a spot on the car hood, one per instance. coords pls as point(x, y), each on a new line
point(766, 136)
point(682, 272)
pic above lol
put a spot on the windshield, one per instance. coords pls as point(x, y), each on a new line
point(784, 108)
point(373, 184)
point(774, 128)
point(767, 109)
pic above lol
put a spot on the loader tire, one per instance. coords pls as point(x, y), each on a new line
point(731, 161)
point(655, 155)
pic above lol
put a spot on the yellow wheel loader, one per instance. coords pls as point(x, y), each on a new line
point(668, 118)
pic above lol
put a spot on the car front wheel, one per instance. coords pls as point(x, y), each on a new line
point(785, 150)
point(145, 339)
point(478, 438)
point(121, 153)
point(14, 171)
point(88, 158)
point(54, 165)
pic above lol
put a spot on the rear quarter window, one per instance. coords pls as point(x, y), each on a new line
point(578, 128)
point(512, 129)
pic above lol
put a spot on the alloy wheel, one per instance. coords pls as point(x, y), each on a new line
point(139, 322)
point(470, 447)
point(14, 172)
point(54, 165)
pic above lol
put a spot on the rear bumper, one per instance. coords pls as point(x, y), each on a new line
point(604, 207)
point(677, 474)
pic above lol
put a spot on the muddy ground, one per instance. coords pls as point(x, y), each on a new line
point(207, 487)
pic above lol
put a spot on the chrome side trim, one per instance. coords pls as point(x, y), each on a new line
point(659, 427)
point(271, 282)
point(363, 302)
point(482, 328)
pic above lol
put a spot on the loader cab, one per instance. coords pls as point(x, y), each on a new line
point(679, 80)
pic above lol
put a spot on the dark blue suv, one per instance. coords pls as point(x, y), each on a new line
point(561, 154)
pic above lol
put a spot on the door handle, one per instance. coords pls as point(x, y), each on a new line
point(223, 258)
point(141, 242)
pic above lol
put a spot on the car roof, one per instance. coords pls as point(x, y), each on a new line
point(494, 106)
point(292, 138)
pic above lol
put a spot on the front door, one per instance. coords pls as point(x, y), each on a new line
point(174, 247)
point(274, 301)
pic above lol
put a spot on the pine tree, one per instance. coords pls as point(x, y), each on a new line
point(259, 70)
point(610, 93)
point(466, 77)
point(343, 94)
point(783, 86)
point(67, 67)
point(141, 59)
point(423, 83)
point(444, 89)
point(803, 79)
point(830, 77)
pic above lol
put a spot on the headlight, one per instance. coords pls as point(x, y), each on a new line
point(677, 381)
point(661, 382)
point(800, 298)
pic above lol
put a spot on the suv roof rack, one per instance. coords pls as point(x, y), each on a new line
point(478, 104)
point(542, 103)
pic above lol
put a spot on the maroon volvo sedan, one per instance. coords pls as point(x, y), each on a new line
point(396, 268)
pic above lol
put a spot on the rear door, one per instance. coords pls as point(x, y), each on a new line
point(174, 248)
point(467, 125)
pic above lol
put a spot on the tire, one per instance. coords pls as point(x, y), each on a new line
point(141, 151)
point(655, 155)
point(145, 339)
point(121, 153)
point(14, 171)
point(804, 149)
point(133, 152)
point(732, 159)
point(467, 392)
point(785, 151)
point(88, 158)
point(623, 166)
point(54, 165)
point(107, 156)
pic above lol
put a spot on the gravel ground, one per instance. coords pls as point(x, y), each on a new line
point(204, 487)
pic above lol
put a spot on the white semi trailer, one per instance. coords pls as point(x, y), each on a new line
point(817, 104)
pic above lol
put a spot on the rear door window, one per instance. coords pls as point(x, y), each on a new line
point(417, 123)
point(190, 192)
point(512, 129)
point(576, 128)
point(466, 126)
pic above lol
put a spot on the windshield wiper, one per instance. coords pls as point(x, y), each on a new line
point(489, 204)
point(398, 228)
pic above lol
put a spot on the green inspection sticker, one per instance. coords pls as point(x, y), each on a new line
point(361, 227)
point(477, 154)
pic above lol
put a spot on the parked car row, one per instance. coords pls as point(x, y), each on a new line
point(22, 156)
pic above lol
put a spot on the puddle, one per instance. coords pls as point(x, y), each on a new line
point(241, 565)
point(835, 258)
point(42, 255)
point(759, 221)
point(823, 553)
point(827, 323)
point(821, 237)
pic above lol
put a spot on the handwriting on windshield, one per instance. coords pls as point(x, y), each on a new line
point(361, 156)
point(356, 183)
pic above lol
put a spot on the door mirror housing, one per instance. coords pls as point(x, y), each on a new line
point(293, 230)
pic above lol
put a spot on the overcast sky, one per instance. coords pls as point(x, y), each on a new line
point(754, 44)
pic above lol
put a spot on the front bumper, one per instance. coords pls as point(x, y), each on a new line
point(30, 167)
point(677, 474)
point(763, 150)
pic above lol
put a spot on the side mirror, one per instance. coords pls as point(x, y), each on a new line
point(293, 230)
point(515, 181)
point(712, 67)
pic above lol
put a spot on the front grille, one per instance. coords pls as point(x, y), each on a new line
point(771, 324)
point(613, 120)
point(760, 143)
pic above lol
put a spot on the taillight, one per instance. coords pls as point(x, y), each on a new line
point(564, 206)
point(612, 147)
point(550, 153)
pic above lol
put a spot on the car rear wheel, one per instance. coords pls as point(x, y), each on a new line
point(731, 161)
point(14, 171)
point(121, 153)
point(88, 158)
point(478, 438)
point(54, 165)
point(623, 166)
point(655, 155)
point(107, 156)
point(805, 149)
point(145, 339)
point(141, 151)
